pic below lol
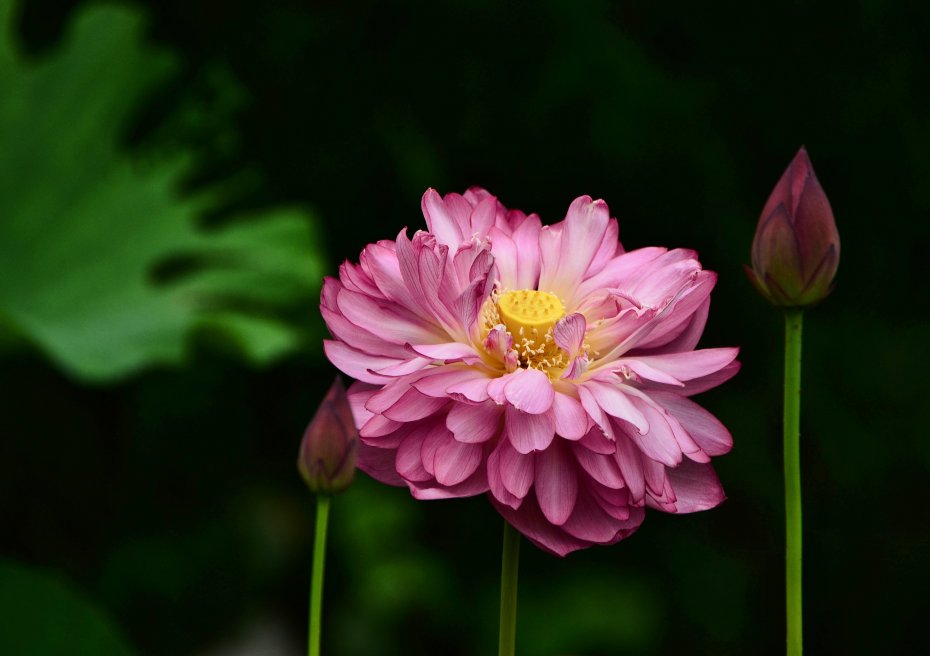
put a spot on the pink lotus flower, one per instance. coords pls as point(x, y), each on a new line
point(542, 364)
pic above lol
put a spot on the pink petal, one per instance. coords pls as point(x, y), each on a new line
point(582, 233)
point(696, 487)
point(381, 262)
point(556, 483)
point(499, 343)
point(421, 269)
point(530, 521)
point(613, 336)
point(355, 278)
point(403, 367)
point(678, 313)
point(475, 390)
point(711, 381)
point(595, 440)
point(455, 461)
point(482, 217)
point(598, 416)
point(516, 469)
point(614, 400)
point(447, 351)
point(630, 462)
point(467, 307)
point(571, 420)
point(392, 324)
point(435, 438)
point(474, 485)
point(691, 334)
point(379, 464)
point(589, 522)
point(528, 432)
point(388, 395)
point(526, 241)
point(359, 338)
point(390, 439)
point(356, 364)
point(408, 461)
point(495, 389)
point(706, 430)
point(686, 443)
point(550, 243)
point(437, 380)
point(413, 406)
point(471, 262)
point(529, 390)
point(618, 271)
point(615, 503)
point(644, 370)
point(505, 254)
point(358, 394)
point(569, 333)
point(496, 482)
point(607, 249)
point(656, 480)
point(378, 426)
point(664, 276)
point(439, 288)
point(659, 442)
point(474, 423)
point(689, 365)
point(577, 367)
point(602, 468)
point(676, 318)
point(440, 220)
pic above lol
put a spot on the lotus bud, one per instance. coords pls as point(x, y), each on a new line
point(330, 444)
point(796, 249)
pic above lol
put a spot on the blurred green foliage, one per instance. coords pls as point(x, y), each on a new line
point(44, 615)
point(170, 495)
point(101, 262)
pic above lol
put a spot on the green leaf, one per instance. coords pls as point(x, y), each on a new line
point(85, 231)
point(43, 615)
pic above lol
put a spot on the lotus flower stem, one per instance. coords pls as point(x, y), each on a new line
point(316, 581)
point(793, 323)
point(510, 565)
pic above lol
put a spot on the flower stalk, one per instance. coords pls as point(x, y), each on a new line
point(795, 254)
point(326, 462)
point(510, 565)
point(793, 532)
point(316, 580)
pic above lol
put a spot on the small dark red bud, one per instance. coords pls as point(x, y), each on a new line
point(796, 249)
point(330, 444)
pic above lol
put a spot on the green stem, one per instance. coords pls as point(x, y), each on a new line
point(510, 565)
point(316, 582)
point(793, 322)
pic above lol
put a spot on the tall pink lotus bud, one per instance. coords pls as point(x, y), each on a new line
point(796, 248)
point(330, 444)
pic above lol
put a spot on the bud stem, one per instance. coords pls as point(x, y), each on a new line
point(510, 565)
point(316, 581)
point(793, 323)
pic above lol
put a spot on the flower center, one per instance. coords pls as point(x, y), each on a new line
point(529, 313)
point(526, 318)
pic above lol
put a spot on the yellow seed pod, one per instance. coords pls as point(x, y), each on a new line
point(530, 310)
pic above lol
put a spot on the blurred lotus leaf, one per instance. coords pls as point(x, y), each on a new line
point(85, 230)
point(45, 616)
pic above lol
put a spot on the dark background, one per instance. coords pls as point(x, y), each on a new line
point(169, 496)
